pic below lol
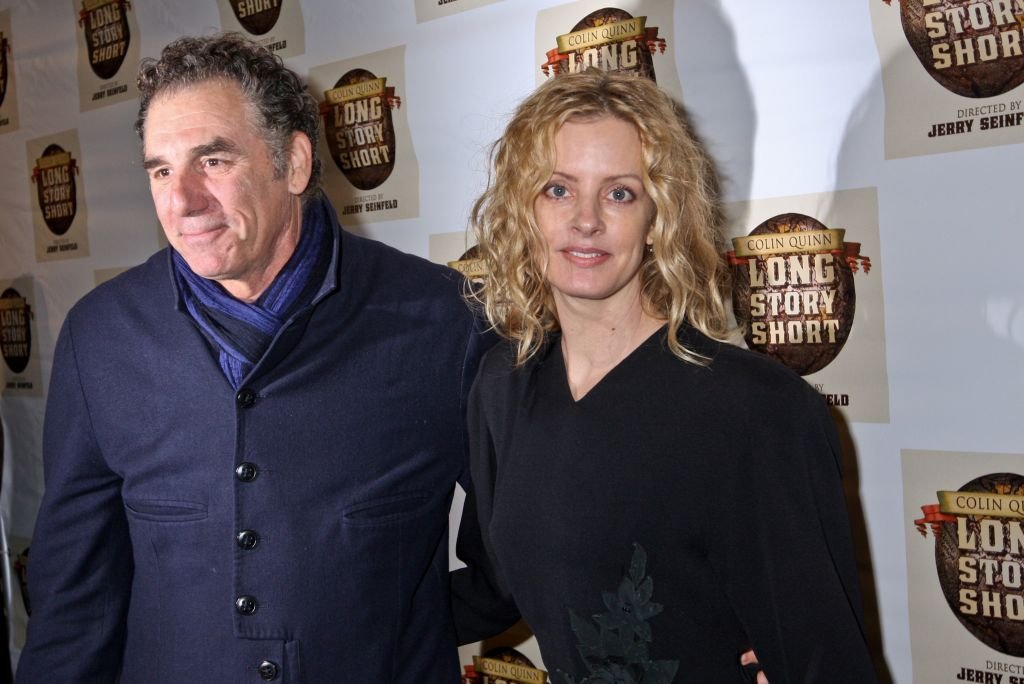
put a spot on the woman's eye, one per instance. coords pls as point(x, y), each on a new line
point(556, 191)
point(621, 194)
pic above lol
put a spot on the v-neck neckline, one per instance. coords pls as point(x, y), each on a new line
point(562, 372)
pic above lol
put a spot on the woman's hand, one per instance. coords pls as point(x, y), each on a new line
point(749, 658)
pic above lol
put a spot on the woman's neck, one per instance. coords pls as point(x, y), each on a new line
point(596, 339)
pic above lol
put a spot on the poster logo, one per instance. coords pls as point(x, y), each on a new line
point(610, 39)
point(793, 289)
point(470, 264)
point(8, 91)
point(54, 176)
point(971, 48)
point(359, 129)
point(5, 49)
point(275, 24)
point(105, 23)
point(256, 16)
point(375, 176)
point(979, 556)
point(15, 335)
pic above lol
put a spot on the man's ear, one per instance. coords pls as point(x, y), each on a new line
point(300, 162)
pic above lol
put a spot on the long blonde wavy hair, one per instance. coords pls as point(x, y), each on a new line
point(683, 278)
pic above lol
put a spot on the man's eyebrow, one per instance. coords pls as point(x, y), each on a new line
point(218, 145)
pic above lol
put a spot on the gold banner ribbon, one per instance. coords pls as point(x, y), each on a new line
point(986, 504)
point(9, 303)
point(601, 35)
point(471, 268)
point(520, 674)
point(52, 160)
point(90, 5)
point(355, 91)
point(797, 241)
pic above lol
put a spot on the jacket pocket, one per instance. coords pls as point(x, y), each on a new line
point(388, 510)
point(159, 510)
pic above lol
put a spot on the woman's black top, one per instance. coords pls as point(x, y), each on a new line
point(670, 519)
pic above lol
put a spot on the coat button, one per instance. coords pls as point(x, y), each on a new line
point(245, 605)
point(268, 671)
point(246, 472)
point(247, 539)
point(246, 398)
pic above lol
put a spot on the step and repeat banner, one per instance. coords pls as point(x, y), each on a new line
point(868, 151)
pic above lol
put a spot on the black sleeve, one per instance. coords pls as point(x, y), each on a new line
point(481, 607)
point(783, 552)
point(80, 567)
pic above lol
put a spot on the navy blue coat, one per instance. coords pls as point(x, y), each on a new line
point(293, 531)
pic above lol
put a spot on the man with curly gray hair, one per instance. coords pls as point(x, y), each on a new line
point(248, 461)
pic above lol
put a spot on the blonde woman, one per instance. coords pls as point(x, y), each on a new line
point(651, 500)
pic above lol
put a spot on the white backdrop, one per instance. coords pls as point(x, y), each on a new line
point(788, 96)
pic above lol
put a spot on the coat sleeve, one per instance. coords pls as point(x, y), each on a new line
point(782, 549)
point(480, 606)
point(80, 561)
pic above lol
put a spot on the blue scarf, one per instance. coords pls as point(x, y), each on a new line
point(242, 332)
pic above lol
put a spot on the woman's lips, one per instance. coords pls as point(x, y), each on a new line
point(585, 257)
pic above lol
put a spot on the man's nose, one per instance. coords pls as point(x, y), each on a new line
point(188, 194)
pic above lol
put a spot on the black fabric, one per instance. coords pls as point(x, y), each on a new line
point(726, 475)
